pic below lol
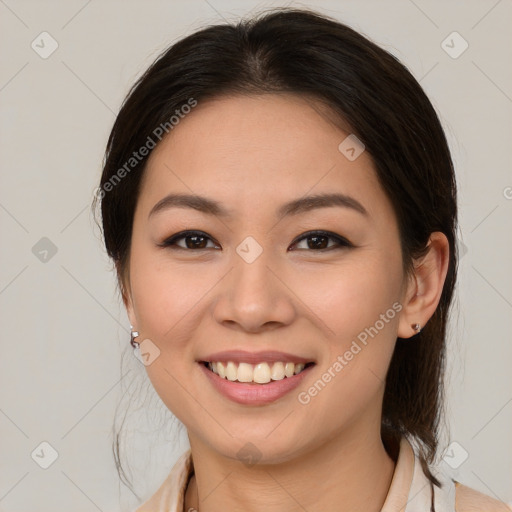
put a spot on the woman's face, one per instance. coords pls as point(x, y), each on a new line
point(256, 279)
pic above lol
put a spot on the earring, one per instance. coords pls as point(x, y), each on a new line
point(416, 327)
point(133, 335)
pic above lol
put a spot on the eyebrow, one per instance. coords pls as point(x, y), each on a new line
point(295, 207)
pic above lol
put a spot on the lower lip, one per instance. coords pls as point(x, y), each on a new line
point(255, 394)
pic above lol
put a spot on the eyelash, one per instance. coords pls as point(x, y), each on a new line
point(342, 243)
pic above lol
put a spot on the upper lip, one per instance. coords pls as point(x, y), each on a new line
point(243, 356)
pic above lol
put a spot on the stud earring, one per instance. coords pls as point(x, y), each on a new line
point(133, 335)
point(416, 327)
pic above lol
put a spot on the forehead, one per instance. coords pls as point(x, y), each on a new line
point(254, 152)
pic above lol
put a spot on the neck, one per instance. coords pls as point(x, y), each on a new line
point(348, 473)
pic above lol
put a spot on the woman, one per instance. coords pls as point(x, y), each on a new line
point(280, 203)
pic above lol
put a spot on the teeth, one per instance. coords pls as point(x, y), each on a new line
point(219, 370)
point(277, 372)
point(245, 372)
point(298, 368)
point(261, 373)
point(231, 371)
point(289, 369)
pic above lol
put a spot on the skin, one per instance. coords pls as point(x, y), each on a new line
point(252, 154)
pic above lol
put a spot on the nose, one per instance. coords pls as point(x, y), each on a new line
point(254, 297)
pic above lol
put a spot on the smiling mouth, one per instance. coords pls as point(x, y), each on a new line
point(261, 373)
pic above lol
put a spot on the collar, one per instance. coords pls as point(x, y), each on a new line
point(410, 490)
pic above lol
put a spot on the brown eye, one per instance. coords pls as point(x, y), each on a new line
point(319, 241)
point(314, 240)
point(188, 240)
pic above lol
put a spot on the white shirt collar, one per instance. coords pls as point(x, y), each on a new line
point(410, 489)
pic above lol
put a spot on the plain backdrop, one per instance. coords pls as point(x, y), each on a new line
point(63, 331)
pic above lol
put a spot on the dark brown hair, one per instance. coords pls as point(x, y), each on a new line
point(365, 88)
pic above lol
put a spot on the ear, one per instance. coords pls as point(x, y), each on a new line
point(425, 286)
point(124, 286)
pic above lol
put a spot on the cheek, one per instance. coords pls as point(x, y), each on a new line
point(166, 297)
point(359, 307)
point(167, 303)
point(349, 297)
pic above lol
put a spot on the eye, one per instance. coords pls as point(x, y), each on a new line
point(197, 240)
point(192, 240)
point(319, 241)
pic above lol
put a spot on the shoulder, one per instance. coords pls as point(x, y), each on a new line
point(469, 500)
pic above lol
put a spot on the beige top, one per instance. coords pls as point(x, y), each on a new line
point(410, 490)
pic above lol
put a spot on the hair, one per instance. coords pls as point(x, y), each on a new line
point(298, 51)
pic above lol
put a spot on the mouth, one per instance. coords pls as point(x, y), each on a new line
point(260, 373)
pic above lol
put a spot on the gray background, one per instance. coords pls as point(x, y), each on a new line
point(63, 330)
